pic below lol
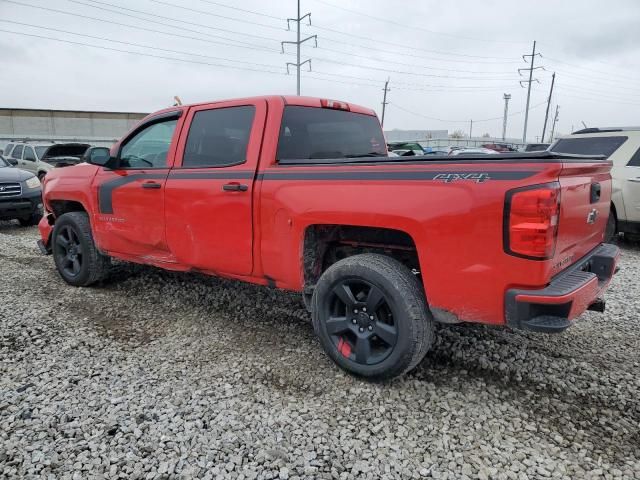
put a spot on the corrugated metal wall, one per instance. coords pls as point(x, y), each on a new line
point(98, 128)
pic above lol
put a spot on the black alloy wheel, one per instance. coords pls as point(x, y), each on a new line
point(68, 251)
point(360, 322)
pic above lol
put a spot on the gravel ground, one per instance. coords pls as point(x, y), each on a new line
point(161, 375)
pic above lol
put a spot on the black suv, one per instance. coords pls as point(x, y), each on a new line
point(20, 195)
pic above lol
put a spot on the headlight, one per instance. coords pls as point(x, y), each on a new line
point(33, 182)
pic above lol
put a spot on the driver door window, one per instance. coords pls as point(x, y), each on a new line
point(149, 147)
point(29, 154)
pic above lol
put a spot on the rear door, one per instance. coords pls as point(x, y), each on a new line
point(16, 154)
point(209, 191)
point(29, 159)
point(630, 185)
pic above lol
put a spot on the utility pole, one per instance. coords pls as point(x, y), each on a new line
point(546, 115)
point(297, 43)
point(507, 97)
point(553, 128)
point(470, 128)
point(529, 82)
point(384, 100)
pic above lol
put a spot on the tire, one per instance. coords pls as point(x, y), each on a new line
point(34, 219)
point(389, 339)
point(611, 230)
point(77, 259)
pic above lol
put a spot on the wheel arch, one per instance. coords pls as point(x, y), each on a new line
point(325, 244)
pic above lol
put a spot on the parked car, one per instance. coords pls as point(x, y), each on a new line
point(473, 151)
point(20, 195)
point(305, 198)
point(41, 159)
point(535, 147)
point(499, 147)
point(406, 148)
point(622, 147)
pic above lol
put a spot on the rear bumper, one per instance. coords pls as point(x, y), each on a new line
point(570, 293)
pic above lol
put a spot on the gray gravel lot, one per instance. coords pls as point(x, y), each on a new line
point(162, 375)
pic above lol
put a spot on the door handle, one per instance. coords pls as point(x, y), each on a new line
point(235, 187)
point(634, 180)
point(152, 185)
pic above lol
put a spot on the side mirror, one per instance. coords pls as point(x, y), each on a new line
point(12, 161)
point(98, 156)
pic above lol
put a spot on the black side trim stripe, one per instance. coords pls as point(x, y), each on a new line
point(105, 190)
point(378, 175)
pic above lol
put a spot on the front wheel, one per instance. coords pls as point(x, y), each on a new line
point(371, 316)
point(77, 259)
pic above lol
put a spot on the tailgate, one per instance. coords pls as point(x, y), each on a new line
point(585, 200)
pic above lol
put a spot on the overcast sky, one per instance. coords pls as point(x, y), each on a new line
point(448, 61)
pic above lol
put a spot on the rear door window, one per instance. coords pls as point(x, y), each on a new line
point(219, 137)
point(589, 145)
point(316, 133)
point(7, 149)
point(17, 152)
point(635, 159)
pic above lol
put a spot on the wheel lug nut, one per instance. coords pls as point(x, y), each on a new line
point(370, 317)
point(364, 309)
point(355, 310)
point(361, 329)
point(354, 321)
point(370, 327)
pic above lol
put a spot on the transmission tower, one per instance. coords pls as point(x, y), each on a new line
point(298, 43)
point(530, 69)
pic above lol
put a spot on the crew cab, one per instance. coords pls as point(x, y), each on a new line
point(299, 193)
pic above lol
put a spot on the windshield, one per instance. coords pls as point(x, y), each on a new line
point(309, 133)
point(40, 151)
point(589, 145)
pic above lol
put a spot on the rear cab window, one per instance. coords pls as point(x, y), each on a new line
point(322, 133)
point(589, 145)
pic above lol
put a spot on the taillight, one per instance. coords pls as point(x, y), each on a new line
point(335, 104)
point(531, 221)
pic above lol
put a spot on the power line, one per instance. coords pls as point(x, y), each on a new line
point(404, 25)
point(131, 44)
point(243, 10)
point(142, 54)
point(205, 12)
point(172, 19)
point(138, 27)
point(384, 101)
point(461, 121)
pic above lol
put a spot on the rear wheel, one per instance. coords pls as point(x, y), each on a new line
point(371, 316)
point(77, 259)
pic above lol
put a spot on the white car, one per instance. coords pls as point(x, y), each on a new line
point(40, 159)
point(473, 151)
point(622, 147)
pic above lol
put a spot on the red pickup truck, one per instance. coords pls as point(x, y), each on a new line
point(299, 193)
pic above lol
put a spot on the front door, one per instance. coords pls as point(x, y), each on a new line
point(29, 159)
point(209, 191)
point(16, 154)
point(130, 197)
